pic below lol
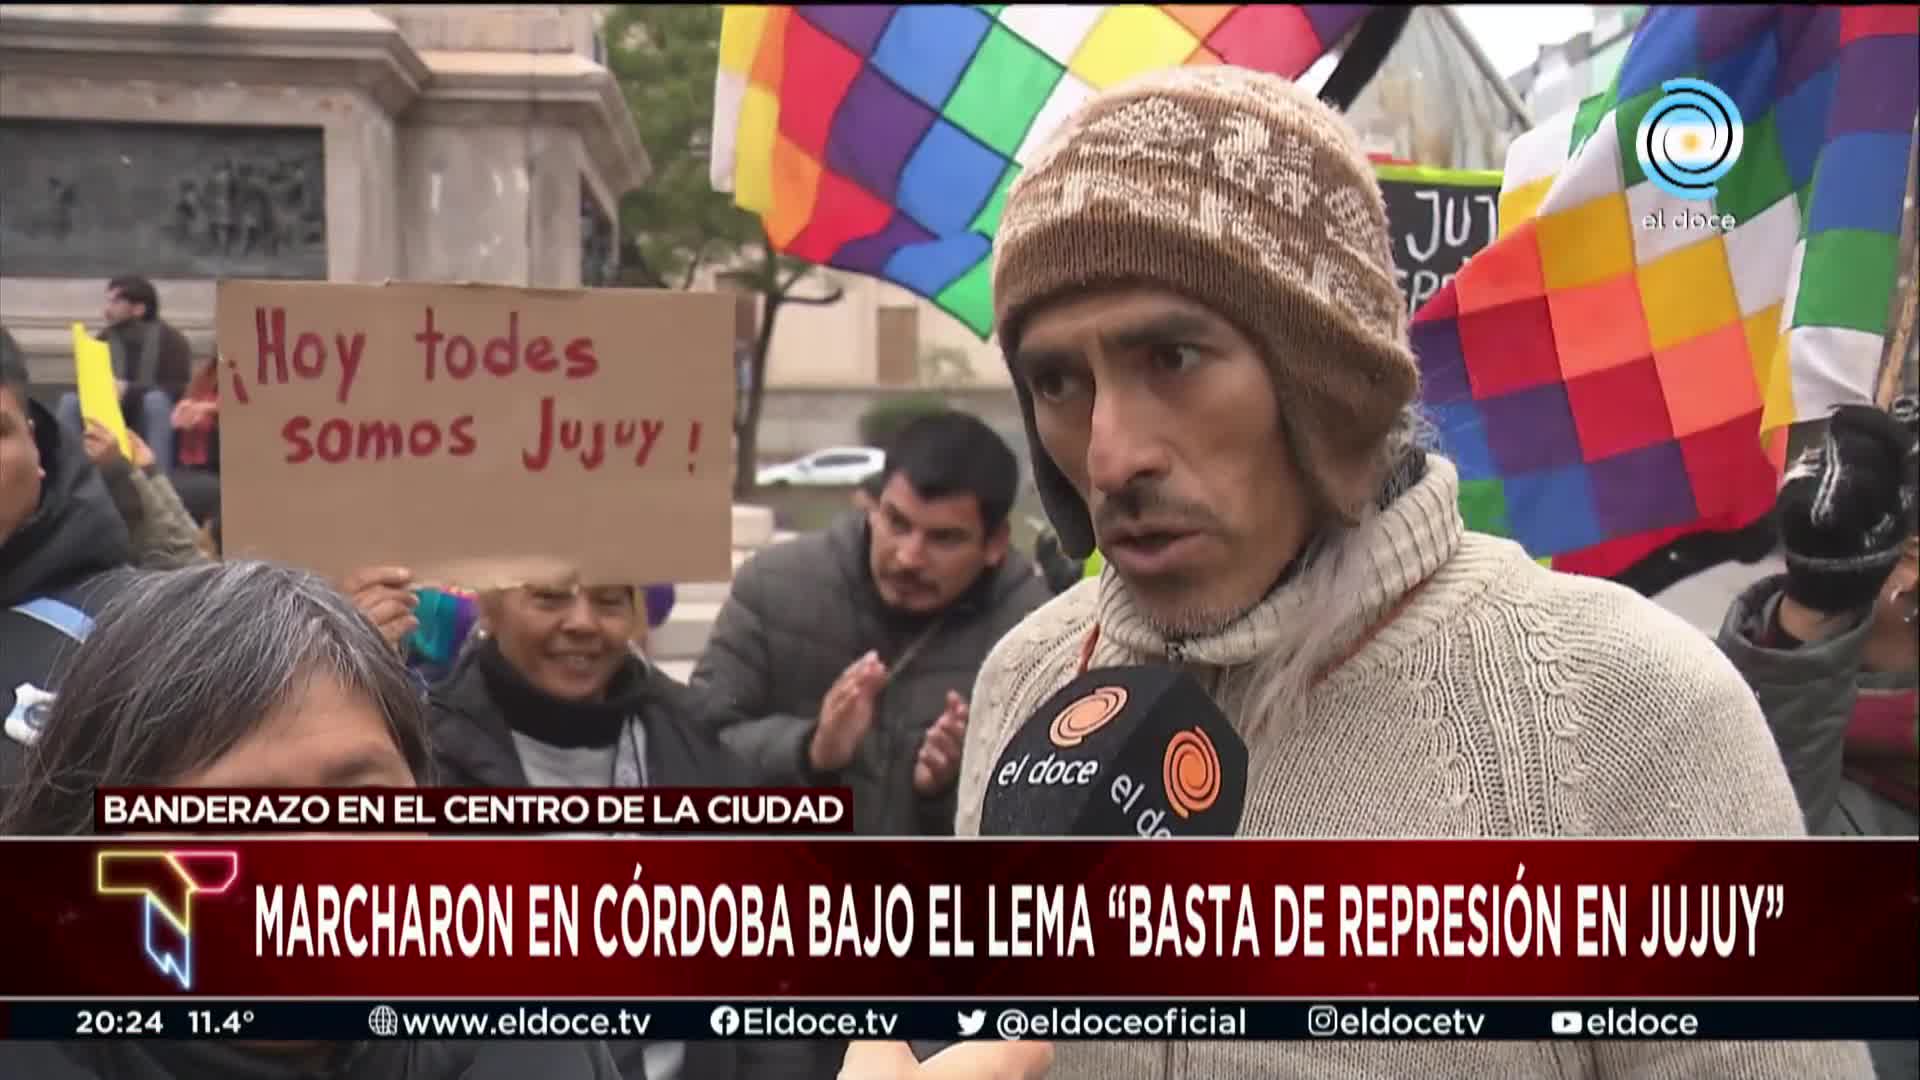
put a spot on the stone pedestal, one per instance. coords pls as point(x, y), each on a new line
point(461, 143)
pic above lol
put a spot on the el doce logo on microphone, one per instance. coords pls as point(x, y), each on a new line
point(1191, 771)
point(1086, 716)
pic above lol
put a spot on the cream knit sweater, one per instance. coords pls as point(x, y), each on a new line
point(1504, 700)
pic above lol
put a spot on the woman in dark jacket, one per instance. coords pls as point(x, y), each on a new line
point(551, 693)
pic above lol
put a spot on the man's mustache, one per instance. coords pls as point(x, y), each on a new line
point(913, 582)
point(1138, 504)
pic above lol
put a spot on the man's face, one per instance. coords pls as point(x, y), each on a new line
point(925, 552)
point(568, 641)
point(119, 309)
point(1162, 415)
point(20, 472)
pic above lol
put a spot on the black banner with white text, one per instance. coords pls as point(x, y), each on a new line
point(961, 1019)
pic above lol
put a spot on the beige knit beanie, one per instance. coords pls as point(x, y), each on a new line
point(1245, 194)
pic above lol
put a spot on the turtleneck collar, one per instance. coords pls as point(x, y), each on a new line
point(1402, 545)
point(538, 715)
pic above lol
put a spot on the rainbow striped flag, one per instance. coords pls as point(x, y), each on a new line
point(881, 138)
point(1616, 369)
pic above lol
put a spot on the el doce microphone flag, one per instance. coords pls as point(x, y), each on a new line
point(1126, 751)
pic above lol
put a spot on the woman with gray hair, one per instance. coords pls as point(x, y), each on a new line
point(241, 674)
point(246, 674)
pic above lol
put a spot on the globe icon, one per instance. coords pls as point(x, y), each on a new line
point(383, 1021)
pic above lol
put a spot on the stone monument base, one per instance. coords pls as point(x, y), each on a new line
point(190, 143)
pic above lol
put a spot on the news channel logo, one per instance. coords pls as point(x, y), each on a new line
point(1689, 139)
point(1086, 716)
point(168, 883)
point(1190, 768)
point(1190, 771)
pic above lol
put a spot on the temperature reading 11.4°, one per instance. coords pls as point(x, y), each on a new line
point(228, 1024)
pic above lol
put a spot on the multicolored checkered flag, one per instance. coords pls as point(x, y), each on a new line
point(881, 138)
point(1664, 298)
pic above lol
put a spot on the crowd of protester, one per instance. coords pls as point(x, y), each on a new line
point(1273, 518)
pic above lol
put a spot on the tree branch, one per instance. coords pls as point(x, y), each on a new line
point(649, 277)
point(833, 297)
point(694, 264)
point(785, 290)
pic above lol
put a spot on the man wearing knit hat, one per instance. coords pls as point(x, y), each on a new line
point(1195, 293)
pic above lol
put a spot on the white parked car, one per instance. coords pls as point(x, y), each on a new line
point(839, 466)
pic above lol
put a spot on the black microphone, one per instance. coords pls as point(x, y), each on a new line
point(1121, 751)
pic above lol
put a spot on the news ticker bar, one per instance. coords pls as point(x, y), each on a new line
point(954, 1020)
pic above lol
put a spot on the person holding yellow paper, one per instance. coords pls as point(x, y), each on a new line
point(164, 534)
point(151, 361)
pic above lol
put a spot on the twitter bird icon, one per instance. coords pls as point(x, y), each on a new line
point(972, 1022)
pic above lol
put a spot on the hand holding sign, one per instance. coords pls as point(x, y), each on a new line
point(101, 446)
point(496, 435)
point(381, 593)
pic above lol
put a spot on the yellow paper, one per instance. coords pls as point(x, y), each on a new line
point(99, 396)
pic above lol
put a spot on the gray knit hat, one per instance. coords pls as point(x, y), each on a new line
point(1249, 196)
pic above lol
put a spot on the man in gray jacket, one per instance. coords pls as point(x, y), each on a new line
point(844, 657)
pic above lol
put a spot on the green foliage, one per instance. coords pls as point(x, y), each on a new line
point(664, 57)
point(883, 419)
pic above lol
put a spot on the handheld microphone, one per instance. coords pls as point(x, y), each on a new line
point(1121, 751)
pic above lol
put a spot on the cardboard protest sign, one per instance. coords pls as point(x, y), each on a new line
point(1438, 218)
point(481, 436)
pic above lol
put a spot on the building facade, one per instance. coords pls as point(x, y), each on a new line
point(1564, 75)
